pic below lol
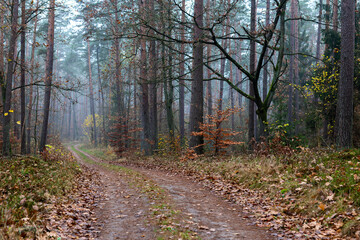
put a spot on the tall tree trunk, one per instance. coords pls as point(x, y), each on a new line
point(265, 70)
point(91, 89)
point(153, 84)
point(290, 116)
point(145, 89)
point(238, 75)
point(9, 79)
point(101, 92)
point(197, 98)
point(69, 120)
point(182, 82)
point(208, 71)
point(222, 68)
point(75, 132)
point(23, 103)
point(2, 57)
point(346, 83)
point(135, 102)
point(232, 100)
point(318, 41)
point(335, 15)
point(251, 122)
point(32, 70)
point(48, 75)
point(296, 67)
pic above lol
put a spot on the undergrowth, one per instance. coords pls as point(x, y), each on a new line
point(27, 185)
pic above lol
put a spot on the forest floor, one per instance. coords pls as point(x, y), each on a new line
point(142, 203)
point(91, 193)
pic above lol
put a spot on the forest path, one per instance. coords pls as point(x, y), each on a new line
point(121, 214)
point(207, 214)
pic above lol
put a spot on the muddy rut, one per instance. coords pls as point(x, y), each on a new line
point(122, 214)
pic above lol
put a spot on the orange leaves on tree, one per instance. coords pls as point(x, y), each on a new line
point(215, 135)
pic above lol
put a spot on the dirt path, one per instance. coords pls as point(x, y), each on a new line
point(121, 214)
point(207, 214)
point(215, 217)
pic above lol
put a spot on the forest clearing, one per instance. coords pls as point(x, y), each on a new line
point(179, 119)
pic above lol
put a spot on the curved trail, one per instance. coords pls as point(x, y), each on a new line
point(207, 214)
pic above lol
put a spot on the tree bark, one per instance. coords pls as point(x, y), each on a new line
point(335, 15)
point(101, 92)
point(91, 89)
point(153, 84)
point(48, 75)
point(251, 122)
point(265, 70)
point(296, 67)
point(9, 79)
point(197, 98)
point(2, 57)
point(145, 89)
point(23, 67)
point(182, 82)
point(32, 66)
point(346, 83)
point(290, 114)
point(318, 41)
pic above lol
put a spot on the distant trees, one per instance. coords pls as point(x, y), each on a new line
point(153, 60)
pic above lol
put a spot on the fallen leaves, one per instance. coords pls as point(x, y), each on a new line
point(74, 217)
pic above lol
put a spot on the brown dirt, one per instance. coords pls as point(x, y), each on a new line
point(215, 217)
point(122, 214)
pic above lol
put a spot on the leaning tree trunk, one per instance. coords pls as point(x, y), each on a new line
point(48, 75)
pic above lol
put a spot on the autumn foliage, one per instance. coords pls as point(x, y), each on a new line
point(216, 136)
point(123, 135)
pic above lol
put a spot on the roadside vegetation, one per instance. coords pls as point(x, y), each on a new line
point(27, 186)
point(42, 196)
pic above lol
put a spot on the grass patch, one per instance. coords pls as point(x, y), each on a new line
point(102, 152)
point(27, 185)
